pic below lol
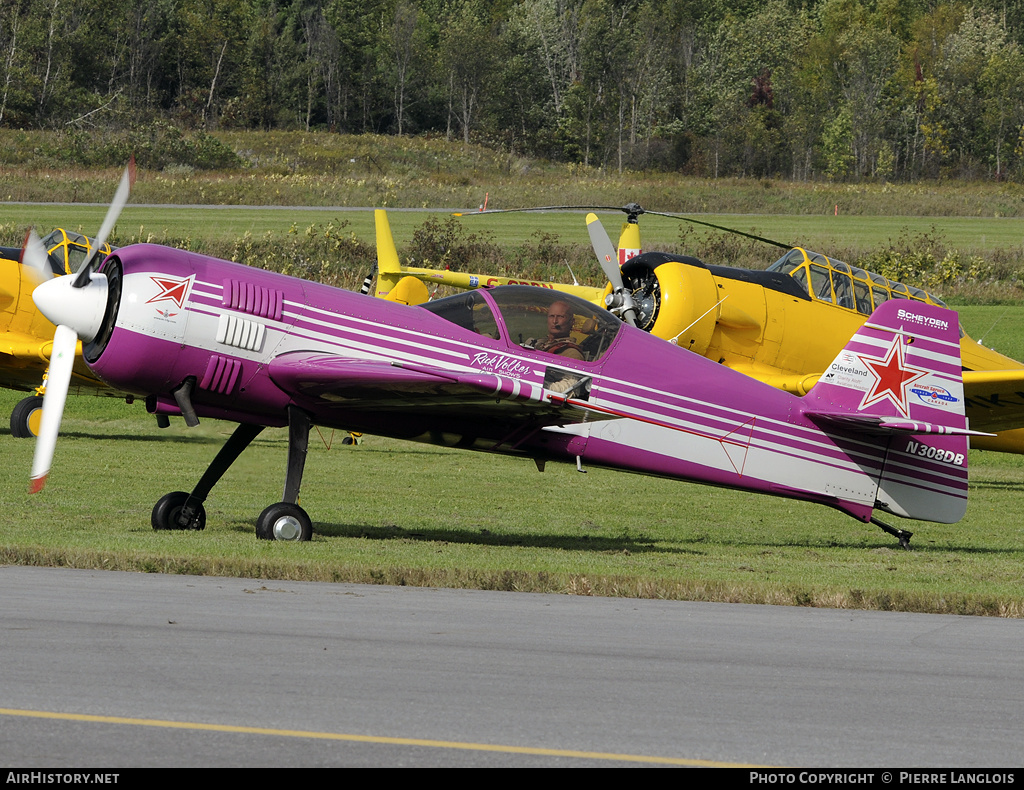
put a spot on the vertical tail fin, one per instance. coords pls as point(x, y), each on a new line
point(898, 381)
point(629, 242)
point(389, 269)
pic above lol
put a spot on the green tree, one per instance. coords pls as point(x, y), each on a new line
point(15, 96)
point(837, 142)
point(405, 38)
point(209, 40)
point(744, 81)
point(469, 60)
point(955, 120)
point(1002, 84)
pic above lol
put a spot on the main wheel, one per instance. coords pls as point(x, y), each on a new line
point(167, 508)
point(26, 417)
point(284, 521)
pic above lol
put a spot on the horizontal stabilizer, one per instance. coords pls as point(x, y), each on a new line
point(874, 424)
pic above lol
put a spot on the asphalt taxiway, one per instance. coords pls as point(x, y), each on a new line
point(106, 669)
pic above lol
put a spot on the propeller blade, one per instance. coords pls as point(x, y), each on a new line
point(120, 199)
point(605, 251)
point(76, 317)
point(62, 358)
point(35, 259)
point(620, 300)
point(77, 314)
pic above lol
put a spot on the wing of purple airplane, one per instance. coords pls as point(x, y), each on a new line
point(326, 381)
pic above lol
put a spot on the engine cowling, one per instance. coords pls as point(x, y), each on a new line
point(676, 297)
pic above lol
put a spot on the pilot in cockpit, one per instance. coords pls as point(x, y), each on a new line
point(560, 322)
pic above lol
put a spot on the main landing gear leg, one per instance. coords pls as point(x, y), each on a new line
point(902, 535)
point(179, 510)
point(286, 520)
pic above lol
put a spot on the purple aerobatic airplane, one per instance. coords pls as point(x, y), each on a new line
point(883, 430)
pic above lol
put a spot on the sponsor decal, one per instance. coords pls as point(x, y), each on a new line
point(474, 281)
point(499, 363)
point(172, 289)
point(934, 396)
point(921, 320)
point(847, 371)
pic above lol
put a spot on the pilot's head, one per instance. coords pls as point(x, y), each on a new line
point(560, 318)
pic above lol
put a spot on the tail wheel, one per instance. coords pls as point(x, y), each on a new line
point(167, 510)
point(26, 417)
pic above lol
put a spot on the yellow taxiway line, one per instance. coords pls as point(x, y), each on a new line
point(334, 736)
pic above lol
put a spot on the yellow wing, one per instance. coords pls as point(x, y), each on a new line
point(995, 398)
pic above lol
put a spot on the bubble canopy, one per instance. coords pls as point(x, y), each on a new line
point(519, 314)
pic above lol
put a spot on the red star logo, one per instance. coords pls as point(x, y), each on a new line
point(171, 290)
point(892, 378)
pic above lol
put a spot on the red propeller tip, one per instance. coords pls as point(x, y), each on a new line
point(28, 235)
point(36, 485)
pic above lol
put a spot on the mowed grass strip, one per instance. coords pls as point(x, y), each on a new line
point(822, 233)
point(393, 512)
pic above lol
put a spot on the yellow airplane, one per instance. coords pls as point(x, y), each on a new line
point(26, 338)
point(783, 326)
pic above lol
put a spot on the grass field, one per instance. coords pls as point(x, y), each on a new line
point(398, 513)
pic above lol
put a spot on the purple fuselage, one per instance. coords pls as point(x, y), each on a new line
point(256, 342)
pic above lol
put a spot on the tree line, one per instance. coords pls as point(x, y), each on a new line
point(801, 89)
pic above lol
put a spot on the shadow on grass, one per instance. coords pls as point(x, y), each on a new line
point(996, 485)
point(620, 544)
point(700, 544)
point(919, 544)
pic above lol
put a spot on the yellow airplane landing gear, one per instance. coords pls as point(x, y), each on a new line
point(26, 417)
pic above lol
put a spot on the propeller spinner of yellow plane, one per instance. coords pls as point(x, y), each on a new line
point(783, 326)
